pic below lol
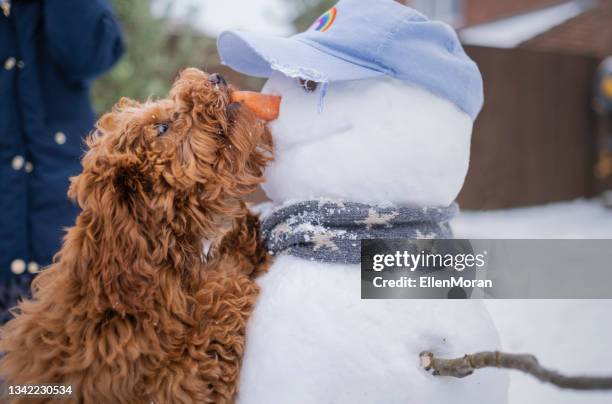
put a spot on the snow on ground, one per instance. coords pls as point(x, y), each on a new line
point(510, 32)
point(576, 219)
point(572, 336)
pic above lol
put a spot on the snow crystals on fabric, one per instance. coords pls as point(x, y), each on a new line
point(329, 231)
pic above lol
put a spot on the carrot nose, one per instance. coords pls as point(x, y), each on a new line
point(264, 106)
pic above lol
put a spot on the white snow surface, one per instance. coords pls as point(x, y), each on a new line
point(510, 32)
point(578, 219)
point(372, 141)
point(572, 336)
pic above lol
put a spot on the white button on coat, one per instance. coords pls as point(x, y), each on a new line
point(17, 162)
point(28, 167)
point(60, 138)
point(9, 63)
point(18, 266)
point(33, 267)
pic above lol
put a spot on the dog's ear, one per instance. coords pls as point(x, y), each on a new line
point(103, 182)
point(95, 160)
point(117, 267)
point(118, 231)
point(111, 170)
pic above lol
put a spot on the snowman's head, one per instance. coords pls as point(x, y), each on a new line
point(374, 140)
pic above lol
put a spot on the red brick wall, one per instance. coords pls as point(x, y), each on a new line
point(480, 11)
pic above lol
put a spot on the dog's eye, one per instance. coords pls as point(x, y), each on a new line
point(308, 85)
point(161, 128)
point(217, 79)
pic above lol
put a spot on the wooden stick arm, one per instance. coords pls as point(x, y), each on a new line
point(466, 365)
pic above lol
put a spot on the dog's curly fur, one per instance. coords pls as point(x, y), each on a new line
point(132, 310)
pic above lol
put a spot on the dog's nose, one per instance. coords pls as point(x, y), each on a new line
point(264, 106)
point(216, 78)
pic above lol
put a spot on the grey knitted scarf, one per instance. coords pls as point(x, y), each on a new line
point(330, 231)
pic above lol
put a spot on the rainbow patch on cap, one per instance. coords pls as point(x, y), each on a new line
point(326, 20)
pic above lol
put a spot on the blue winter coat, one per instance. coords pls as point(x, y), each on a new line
point(50, 50)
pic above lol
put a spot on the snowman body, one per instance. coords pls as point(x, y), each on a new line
point(311, 338)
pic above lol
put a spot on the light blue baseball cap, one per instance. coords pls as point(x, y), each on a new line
point(360, 39)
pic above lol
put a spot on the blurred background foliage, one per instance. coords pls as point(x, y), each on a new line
point(158, 47)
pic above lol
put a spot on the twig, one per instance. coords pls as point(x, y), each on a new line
point(465, 366)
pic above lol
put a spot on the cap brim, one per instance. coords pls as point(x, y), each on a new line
point(258, 55)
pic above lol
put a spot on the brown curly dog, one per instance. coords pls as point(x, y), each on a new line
point(132, 310)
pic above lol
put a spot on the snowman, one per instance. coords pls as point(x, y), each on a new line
point(372, 141)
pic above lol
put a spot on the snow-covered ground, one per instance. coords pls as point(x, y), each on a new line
point(573, 336)
point(576, 219)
